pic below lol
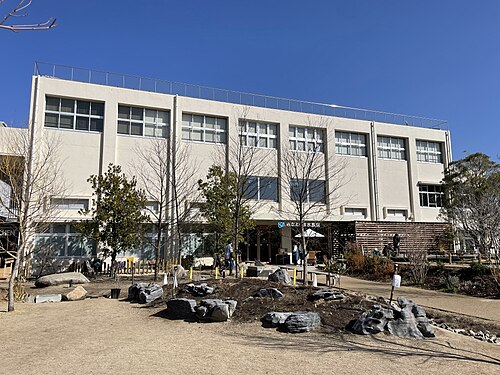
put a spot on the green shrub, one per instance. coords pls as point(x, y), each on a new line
point(478, 269)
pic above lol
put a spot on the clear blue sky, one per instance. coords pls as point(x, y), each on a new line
point(429, 58)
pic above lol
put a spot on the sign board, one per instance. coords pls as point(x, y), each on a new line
point(296, 224)
point(396, 281)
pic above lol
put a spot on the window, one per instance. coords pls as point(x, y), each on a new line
point(73, 114)
point(391, 148)
point(307, 190)
point(306, 139)
point(396, 213)
point(65, 241)
point(201, 128)
point(429, 152)
point(143, 121)
point(262, 188)
point(258, 134)
point(431, 195)
point(70, 204)
point(153, 206)
point(355, 211)
point(353, 144)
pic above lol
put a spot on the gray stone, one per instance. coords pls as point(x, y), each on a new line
point(326, 295)
point(269, 292)
point(373, 321)
point(43, 298)
point(302, 322)
point(405, 328)
point(134, 291)
point(281, 276)
point(181, 308)
point(61, 278)
point(150, 293)
point(215, 310)
point(199, 290)
point(274, 319)
point(77, 294)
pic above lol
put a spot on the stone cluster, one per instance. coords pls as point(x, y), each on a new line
point(144, 293)
point(293, 322)
point(407, 319)
point(209, 310)
point(486, 336)
point(327, 295)
point(269, 292)
point(199, 290)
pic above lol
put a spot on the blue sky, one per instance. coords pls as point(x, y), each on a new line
point(427, 58)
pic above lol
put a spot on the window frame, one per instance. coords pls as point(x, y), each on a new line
point(344, 140)
point(161, 129)
point(75, 115)
point(317, 139)
point(256, 194)
point(203, 130)
point(300, 182)
point(258, 135)
point(56, 237)
point(426, 154)
point(393, 147)
point(425, 195)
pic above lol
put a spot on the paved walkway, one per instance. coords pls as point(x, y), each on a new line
point(472, 306)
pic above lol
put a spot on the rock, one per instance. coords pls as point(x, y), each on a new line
point(150, 293)
point(200, 290)
point(281, 276)
point(373, 321)
point(181, 308)
point(274, 319)
point(215, 310)
point(134, 291)
point(77, 294)
point(302, 322)
point(269, 292)
point(43, 298)
point(61, 278)
point(326, 295)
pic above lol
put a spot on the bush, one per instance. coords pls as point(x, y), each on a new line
point(380, 267)
point(356, 262)
point(478, 269)
point(451, 283)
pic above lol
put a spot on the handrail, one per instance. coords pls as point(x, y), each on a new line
point(230, 96)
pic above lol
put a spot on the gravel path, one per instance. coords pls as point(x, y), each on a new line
point(102, 336)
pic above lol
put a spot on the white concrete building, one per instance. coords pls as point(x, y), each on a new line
point(394, 163)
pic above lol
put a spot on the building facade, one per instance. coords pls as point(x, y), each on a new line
point(392, 170)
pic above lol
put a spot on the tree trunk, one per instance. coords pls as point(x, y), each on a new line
point(13, 278)
point(305, 252)
point(112, 269)
point(157, 254)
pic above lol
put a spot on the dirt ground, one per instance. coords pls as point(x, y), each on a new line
point(104, 336)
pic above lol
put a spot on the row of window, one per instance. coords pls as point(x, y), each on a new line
point(88, 115)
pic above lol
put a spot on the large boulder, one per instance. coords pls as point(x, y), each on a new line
point(199, 290)
point(274, 319)
point(269, 292)
point(215, 310)
point(61, 278)
point(406, 319)
point(77, 294)
point(150, 293)
point(302, 322)
point(134, 291)
point(373, 321)
point(48, 298)
point(181, 308)
point(280, 276)
point(327, 295)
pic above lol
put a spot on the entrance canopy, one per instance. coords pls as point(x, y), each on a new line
point(309, 233)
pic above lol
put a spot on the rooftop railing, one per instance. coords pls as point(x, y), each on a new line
point(229, 96)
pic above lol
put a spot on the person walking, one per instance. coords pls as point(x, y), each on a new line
point(228, 253)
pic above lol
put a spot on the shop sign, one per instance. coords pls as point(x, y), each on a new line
point(296, 224)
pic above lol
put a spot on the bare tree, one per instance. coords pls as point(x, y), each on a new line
point(33, 172)
point(167, 176)
point(417, 245)
point(20, 11)
point(311, 180)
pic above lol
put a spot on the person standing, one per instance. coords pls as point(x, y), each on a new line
point(228, 251)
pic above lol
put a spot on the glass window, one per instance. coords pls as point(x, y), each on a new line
point(258, 134)
point(431, 195)
point(202, 128)
point(142, 121)
point(302, 139)
point(73, 114)
point(355, 211)
point(353, 144)
point(391, 148)
point(429, 152)
point(308, 190)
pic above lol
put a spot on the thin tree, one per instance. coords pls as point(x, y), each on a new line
point(33, 172)
point(311, 181)
point(20, 11)
point(166, 174)
point(117, 217)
